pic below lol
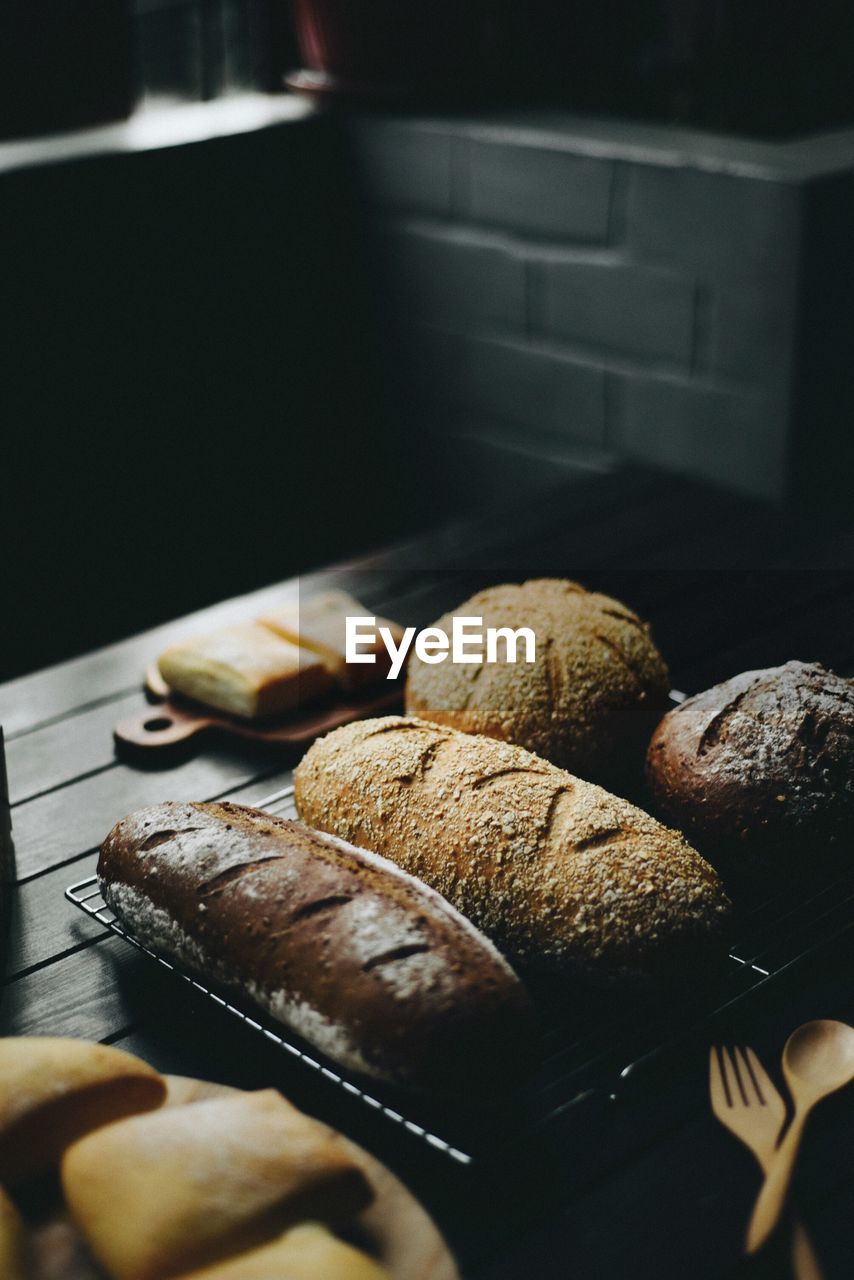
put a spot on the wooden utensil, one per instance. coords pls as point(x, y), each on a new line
point(818, 1059)
point(748, 1103)
point(395, 1229)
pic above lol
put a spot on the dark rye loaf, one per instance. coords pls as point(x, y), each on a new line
point(562, 875)
point(763, 763)
point(371, 967)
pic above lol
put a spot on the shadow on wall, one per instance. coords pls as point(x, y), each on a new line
point(189, 398)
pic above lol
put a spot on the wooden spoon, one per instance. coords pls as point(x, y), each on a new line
point(818, 1059)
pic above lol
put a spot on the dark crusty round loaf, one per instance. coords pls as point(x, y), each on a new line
point(558, 872)
point(764, 760)
point(368, 965)
point(588, 703)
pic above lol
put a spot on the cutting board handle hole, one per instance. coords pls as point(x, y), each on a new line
point(157, 724)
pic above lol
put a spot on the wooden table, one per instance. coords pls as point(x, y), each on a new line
point(645, 1186)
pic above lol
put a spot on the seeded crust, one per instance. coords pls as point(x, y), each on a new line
point(558, 872)
point(367, 964)
point(763, 762)
point(588, 703)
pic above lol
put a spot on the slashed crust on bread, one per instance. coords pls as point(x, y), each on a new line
point(557, 871)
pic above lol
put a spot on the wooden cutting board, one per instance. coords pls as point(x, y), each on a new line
point(175, 721)
point(395, 1229)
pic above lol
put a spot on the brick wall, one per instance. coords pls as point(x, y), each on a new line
point(589, 292)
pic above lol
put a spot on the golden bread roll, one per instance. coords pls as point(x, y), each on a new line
point(307, 1252)
point(160, 1194)
point(15, 1257)
point(318, 623)
point(589, 700)
point(558, 872)
point(245, 670)
point(53, 1090)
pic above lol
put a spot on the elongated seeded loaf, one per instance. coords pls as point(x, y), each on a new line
point(589, 700)
point(559, 873)
point(371, 967)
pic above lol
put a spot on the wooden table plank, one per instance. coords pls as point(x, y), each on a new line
point(59, 753)
point(64, 824)
point(44, 924)
point(80, 996)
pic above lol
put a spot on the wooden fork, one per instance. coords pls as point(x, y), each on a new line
point(748, 1103)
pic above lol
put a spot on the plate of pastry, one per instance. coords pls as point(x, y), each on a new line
point(114, 1172)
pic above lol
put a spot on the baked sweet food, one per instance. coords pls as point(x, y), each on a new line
point(319, 623)
point(245, 670)
point(52, 1090)
point(307, 1252)
point(763, 763)
point(369, 966)
point(161, 1194)
point(558, 872)
point(587, 703)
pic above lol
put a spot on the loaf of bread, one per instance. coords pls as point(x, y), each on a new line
point(319, 623)
point(245, 670)
point(559, 873)
point(371, 967)
point(588, 702)
point(53, 1090)
point(185, 1187)
point(307, 1252)
point(763, 763)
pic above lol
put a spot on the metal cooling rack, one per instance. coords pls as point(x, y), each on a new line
point(86, 895)
point(591, 1043)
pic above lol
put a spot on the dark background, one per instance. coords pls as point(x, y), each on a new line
point(191, 396)
point(769, 68)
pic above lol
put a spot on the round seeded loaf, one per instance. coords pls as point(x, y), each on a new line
point(763, 762)
point(558, 872)
point(588, 702)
